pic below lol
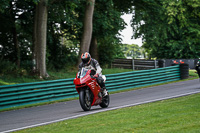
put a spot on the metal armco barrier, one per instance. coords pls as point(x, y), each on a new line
point(142, 78)
point(38, 92)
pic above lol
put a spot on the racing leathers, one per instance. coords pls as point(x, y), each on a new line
point(95, 68)
point(198, 68)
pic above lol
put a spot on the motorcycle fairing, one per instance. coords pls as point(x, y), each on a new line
point(86, 80)
point(95, 88)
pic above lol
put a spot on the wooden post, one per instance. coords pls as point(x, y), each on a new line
point(133, 65)
point(155, 64)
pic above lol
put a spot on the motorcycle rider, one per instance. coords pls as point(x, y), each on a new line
point(198, 67)
point(96, 71)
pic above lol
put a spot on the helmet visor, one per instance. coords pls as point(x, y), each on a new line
point(85, 61)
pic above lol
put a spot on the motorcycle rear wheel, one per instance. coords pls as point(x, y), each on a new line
point(105, 101)
point(84, 100)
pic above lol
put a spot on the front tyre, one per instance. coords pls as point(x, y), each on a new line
point(84, 100)
point(105, 101)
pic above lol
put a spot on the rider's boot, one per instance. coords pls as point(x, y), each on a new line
point(105, 93)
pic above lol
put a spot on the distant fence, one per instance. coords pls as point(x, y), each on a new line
point(38, 92)
point(135, 64)
point(141, 64)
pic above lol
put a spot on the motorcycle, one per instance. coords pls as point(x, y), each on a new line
point(89, 90)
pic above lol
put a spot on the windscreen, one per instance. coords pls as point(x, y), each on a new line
point(83, 72)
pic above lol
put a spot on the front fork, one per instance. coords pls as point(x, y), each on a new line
point(87, 94)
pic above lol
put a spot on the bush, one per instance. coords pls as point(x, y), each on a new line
point(108, 50)
point(7, 67)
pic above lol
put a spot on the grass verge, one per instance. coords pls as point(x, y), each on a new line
point(173, 115)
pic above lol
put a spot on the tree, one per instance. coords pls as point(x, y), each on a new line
point(186, 15)
point(94, 48)
point(65, 27)
point(16, 22)
point(64, 32)
point(3, 5)
point(87, 27)
point(40, 36)
point(60, 23)
point(169, 28)
point(109, 49)
point(133, 51)
point(107, 23)
point(125, 6)
point(13, 14)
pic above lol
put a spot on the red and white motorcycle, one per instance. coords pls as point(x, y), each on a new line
point(89, 91)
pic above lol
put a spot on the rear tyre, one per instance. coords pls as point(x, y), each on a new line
point(105, 101)
point(84, 100)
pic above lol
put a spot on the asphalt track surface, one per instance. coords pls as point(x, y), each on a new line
point(42, 115)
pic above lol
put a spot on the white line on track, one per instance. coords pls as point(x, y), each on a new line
point(98, 111)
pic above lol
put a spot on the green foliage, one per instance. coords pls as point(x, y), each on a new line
point(64, 32)
point(125, 6)
point(107, 23)
point(3, 5)
point(61, 24)
point(7, 66)
point(107, 20)
point(109, 49)
point(61, 57)
point(133, 51)
point(171, 29)
point(11, 19)
point(65, 28)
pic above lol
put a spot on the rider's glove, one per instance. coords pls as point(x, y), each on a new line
point(96, 75)
point(92, 76)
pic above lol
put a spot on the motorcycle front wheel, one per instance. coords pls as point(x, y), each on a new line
point(84, 100)
point(105, 101)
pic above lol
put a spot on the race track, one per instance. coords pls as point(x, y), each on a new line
point(41, 115)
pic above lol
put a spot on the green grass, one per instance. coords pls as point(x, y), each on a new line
point(179, 115)
point(193, 74)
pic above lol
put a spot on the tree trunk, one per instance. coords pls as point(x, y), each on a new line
point(94, 48)
point(14, 33)
point(87, 29)
point(17, 48)
point(40, 35)
point(34, 47)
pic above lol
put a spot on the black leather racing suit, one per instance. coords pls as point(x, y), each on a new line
point(96, 69)
point(198, 68)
